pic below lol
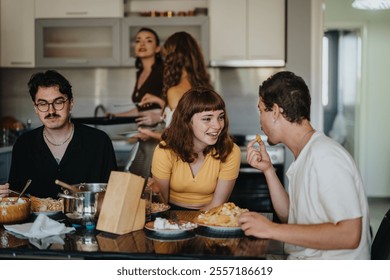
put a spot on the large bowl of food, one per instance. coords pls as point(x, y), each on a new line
point(14, 210)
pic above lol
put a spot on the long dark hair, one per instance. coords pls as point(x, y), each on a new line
point(182, 51)
point(179, 135)
point(158, 58)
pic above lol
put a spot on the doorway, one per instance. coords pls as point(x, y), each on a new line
point(341, 76)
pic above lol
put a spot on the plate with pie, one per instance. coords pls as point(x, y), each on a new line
point(169, 227)
point(159, 207)
point(222, 218)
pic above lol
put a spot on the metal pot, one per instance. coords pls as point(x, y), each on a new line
point(83, 207)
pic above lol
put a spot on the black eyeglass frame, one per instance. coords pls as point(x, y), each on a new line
point(58, 104)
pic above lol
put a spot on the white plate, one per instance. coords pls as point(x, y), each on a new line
point(48, 213)
point(150, 226)
point(129, 134)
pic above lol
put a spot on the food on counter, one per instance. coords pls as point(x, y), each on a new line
point(161, 223)
point(11, 201)
point(225, 215)
point(258, 139)
point(12, 212)
point(159, 207)
point(46, 204)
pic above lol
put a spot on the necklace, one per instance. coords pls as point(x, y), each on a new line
point(55, 144)
point(303, 139)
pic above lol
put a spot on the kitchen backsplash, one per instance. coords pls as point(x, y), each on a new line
point(113, 86)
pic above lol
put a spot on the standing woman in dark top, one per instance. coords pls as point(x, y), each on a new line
point(149, 79)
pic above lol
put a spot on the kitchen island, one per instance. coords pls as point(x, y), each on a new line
point(201, 243)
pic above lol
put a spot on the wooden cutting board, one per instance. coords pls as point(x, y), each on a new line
point(123, 210)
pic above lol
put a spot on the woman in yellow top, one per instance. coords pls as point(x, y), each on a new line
point(196, 164)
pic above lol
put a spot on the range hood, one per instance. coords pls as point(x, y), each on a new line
point(248, 63)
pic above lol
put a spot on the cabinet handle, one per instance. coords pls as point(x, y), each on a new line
point(21, 63)
point(76, 13)
point(77, 61)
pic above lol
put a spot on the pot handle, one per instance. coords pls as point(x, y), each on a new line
point(68, 196)
point(66, 186)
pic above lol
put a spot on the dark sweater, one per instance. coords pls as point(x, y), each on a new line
point(89, 158)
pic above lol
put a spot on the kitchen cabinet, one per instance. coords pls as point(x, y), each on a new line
point(197, 26)
point(17, 33)
point(247, 33)
point(77, 42)
point(5, 163)
point(78, 8)
point(106, 41)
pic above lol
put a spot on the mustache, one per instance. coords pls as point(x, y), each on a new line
point(52, 115)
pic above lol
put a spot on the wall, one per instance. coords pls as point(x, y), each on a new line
point(113, 86)
point(238, 86)
point(372, 112)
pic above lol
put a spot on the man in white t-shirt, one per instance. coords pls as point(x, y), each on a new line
point(324, 213)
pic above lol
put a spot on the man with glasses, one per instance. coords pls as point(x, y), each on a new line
point(59, 149)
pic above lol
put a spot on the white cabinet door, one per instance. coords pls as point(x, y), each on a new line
point(247, 33)
point(227, 29)
point(266, 29)
point(78, 8)
point(17, 33)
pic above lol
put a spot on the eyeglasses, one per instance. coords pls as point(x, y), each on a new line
point(57, 104)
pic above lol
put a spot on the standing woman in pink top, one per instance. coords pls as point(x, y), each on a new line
point(196, 164)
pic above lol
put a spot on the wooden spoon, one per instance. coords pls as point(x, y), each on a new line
point(67, 186)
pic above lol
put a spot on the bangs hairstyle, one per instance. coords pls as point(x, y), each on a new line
point(179, 135)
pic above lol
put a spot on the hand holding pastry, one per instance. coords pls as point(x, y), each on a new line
point(258, 157)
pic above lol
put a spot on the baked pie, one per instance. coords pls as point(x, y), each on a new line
point(225, 215)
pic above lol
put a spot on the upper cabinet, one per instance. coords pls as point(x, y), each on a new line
point(78, 42)
point(197, 26)
point(78, 8)
point(247, 33)
point(17, 33)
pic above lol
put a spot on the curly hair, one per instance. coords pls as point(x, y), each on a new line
point(49, 78)
point(290, 93)
point(179, 136)
point(181, 51)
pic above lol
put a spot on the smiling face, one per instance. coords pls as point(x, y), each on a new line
point(53, 119)
point(145, 45)
point(207, 127)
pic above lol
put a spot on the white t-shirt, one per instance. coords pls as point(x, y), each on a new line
point(325, 186)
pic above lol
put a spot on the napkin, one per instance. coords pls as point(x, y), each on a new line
point(42, 227)
point(44, 243)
